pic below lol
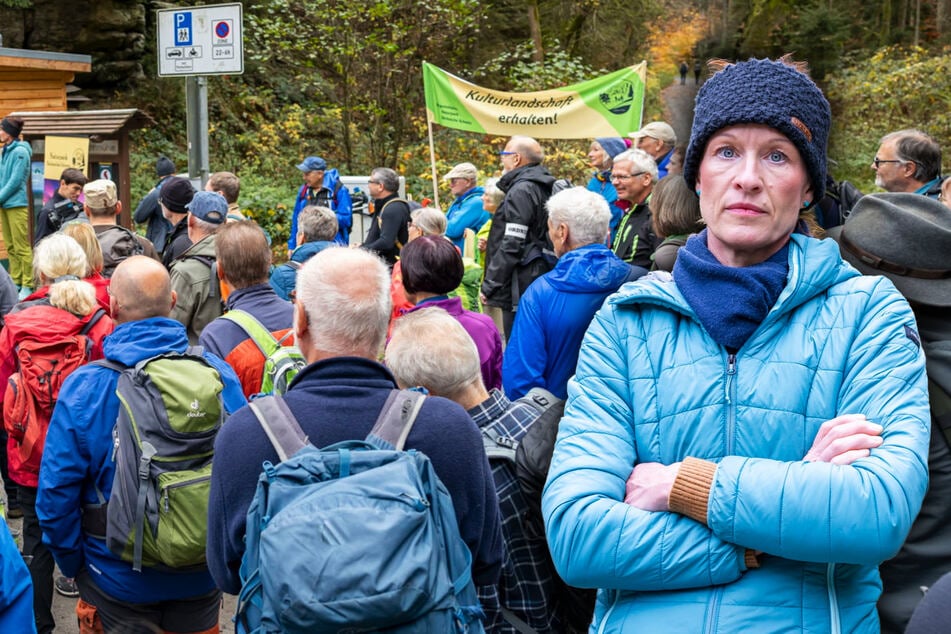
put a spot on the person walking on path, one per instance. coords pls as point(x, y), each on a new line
point(683, 73)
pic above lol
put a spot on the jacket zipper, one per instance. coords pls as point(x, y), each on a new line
point(713, 610)
point(607, 615)
point(730, 399)
point(168, 487)
point(835, 626)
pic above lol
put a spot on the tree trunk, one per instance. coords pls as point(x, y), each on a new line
point(535, 27)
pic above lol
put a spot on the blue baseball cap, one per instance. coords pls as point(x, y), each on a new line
point(313, 164)
point(209, 206)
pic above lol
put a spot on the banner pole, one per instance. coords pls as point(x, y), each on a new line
point(432, 158)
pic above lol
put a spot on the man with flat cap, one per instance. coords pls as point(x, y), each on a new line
point(466, 210)
point(657, 139)
point(322, 187)
point(906, 237)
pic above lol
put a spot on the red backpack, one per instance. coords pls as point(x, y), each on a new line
point(33, 389)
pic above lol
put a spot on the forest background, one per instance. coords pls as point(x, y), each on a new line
point(341, 78)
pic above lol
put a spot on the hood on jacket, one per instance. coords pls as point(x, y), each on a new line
point(593, 268)
point(134, 341)
point(534, 172)
point(19, 145)
point(305, 251)
point(814, 267)
point(42, 322)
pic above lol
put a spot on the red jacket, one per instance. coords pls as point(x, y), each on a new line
point(100, 283)
point(39, 321)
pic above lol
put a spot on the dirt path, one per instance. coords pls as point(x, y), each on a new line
point(678, 107)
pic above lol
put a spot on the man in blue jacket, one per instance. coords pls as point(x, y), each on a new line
point(322, 187)
point(340, 323)
point(556, 309)
point(466, 210)
point(77, 466)
point(316, 228)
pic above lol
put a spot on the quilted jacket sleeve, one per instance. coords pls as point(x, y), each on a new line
point(860, 513)
point(597, 540)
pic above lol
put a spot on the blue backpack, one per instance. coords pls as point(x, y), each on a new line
point(357, 537)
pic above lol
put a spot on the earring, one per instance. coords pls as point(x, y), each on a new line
point(698, 192)
point(805, 204)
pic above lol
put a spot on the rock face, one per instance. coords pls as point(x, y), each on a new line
point(113, 32)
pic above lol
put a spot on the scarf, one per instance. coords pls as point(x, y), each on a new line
point(730, 302)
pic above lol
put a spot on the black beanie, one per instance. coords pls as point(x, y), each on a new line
point(176, 193)
point(164, 166)
point(13, 127)
point(771, 93)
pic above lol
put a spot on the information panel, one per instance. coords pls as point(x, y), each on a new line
point(204, 40)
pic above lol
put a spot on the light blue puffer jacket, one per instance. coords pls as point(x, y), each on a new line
point(651, 386)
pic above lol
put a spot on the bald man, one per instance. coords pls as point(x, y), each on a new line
point(78, 468)
point(518, 249)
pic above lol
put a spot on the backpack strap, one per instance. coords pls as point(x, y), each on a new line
point(109, 363)
point(497, 446)
point(280, 425)
point(261, 336)
point(396, 418)
point(96, 316)
point(212, 264)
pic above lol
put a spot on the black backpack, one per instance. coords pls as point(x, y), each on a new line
point(837, 204)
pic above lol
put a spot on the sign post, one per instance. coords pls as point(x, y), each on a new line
point(193, 43)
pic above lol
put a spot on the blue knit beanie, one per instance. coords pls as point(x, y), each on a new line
point(768, 92)
point(612, 145)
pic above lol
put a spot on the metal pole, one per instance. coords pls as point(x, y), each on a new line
point(196, 107)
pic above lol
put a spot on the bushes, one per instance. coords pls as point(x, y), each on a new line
point(892, 89)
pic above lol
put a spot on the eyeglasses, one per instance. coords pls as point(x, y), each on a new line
point(506, 153)
point(877, 161)
point(373, 182)
point(625, 177)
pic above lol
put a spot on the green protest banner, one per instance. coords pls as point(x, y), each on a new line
point(609, 105)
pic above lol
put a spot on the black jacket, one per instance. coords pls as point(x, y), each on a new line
point(635, 240)
point(176, 243)
point(389, 228)
point(926, 554)
point(518, 249)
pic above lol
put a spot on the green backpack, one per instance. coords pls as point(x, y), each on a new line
point(163, 442)
point(281, 362)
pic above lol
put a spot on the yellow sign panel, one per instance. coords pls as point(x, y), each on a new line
point(63, 152)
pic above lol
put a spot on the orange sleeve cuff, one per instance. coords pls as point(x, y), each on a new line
point(690, 492)
point(749, 558)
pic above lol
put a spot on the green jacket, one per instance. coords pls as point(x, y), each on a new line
point(199, 296)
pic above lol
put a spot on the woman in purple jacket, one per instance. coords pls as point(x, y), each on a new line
point(432, 268)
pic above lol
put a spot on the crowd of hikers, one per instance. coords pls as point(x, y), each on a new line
point(703, 392)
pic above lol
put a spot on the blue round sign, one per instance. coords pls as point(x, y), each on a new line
point(222, 30)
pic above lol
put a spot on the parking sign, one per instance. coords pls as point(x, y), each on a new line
point(205, 40)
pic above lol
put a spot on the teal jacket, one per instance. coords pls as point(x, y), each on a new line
point(652, 386)
point(14, 174)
